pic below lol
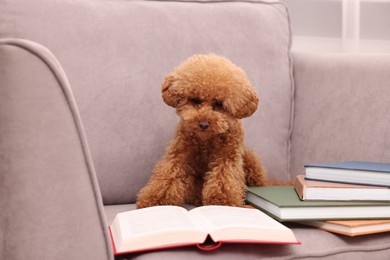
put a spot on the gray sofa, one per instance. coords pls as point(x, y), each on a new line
point(82, 122)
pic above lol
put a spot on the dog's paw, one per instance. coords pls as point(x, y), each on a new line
point(222, 200)
point(149, 197)
point(144, 204)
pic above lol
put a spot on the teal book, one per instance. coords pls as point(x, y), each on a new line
point(355, 172)
point(283, 203)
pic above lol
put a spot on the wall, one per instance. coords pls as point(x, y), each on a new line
point(340, 25)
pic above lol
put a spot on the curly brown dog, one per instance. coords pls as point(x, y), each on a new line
point(207, 162)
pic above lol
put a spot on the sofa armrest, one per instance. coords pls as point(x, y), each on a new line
point(49, 197)
point(342, 104)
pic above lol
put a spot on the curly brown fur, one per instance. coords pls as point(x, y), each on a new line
point(207, 162)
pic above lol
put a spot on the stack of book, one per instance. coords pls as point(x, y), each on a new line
point(350, 198)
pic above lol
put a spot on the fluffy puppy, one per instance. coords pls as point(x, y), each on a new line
point(207, 162)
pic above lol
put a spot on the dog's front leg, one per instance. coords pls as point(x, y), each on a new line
point(225, 182)
point(166, 186)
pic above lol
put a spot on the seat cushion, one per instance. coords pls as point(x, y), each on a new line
point(116, 54)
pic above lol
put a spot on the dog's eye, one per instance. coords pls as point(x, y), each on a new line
point(196, 101)
point(218, 105)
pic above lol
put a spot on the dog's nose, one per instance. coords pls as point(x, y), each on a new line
point(204, 125)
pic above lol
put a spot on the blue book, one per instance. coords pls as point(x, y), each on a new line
point(355, 172)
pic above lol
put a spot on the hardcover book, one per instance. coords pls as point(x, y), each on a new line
point(366, 173)
point(321, 190)
point(351, 227)
point(283, 203)
point(206, 227)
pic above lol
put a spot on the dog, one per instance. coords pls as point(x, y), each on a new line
point(207, 162)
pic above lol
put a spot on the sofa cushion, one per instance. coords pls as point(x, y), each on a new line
point(342, 109)
point(116, 53)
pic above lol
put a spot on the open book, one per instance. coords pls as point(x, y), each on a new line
point(206, 227)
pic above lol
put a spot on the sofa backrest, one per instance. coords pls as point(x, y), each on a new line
point(342, 105)
point(116, 54)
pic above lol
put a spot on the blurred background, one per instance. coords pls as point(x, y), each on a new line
point(351, 26)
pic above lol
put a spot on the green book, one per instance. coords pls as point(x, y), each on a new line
point(283, 203)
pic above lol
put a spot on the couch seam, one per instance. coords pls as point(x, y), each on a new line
point(341, 251)
point(292, 92)
point(53, 64)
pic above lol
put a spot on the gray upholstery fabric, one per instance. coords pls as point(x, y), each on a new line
point(342, 105)
point(50, 204)
point(116, 54)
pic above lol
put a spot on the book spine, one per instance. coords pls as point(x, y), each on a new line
point(299, 188)
point(209, 247)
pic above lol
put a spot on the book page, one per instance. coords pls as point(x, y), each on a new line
point(153, 227)
point(241, 224)
point(156, 219)
point(216, 217)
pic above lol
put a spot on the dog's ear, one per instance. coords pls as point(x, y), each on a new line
point(243, 102)
point(168, 93)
